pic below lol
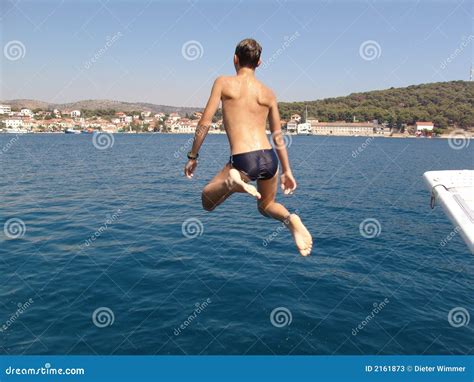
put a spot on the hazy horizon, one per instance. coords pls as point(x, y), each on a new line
point(169, 53)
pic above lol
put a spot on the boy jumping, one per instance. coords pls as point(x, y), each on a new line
point(246, 104)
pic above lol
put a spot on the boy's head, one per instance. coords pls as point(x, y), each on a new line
point(247, 54)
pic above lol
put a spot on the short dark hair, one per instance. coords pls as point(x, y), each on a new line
point(248, 51)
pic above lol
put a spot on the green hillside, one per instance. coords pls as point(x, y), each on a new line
point(444, 103)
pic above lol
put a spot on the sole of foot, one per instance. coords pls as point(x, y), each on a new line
point(236, 184)
point(301, 236)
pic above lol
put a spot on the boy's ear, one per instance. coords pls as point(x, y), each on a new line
point(236, 60)
point(258, 63)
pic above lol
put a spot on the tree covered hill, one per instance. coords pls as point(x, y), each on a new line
point(444, 103)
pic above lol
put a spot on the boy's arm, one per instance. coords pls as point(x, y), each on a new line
point(288, 182)
point(203, 125)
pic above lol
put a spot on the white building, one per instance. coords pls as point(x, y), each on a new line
point(5, 109)
point(343, 128)
point(75, 113)
point(303, 128)
point(420, 126)
point(292, 127)
point(145, 114)
point(26, 112)
point(174, 117)
point(13, 122)
point(296, 117)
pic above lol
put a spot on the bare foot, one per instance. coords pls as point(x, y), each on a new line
point(236, 184)
point(303, 239)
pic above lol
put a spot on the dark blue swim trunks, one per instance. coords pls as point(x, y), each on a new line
point(260, 164)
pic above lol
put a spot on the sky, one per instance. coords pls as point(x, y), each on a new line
point(170, 52)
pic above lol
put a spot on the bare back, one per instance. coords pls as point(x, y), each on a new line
point(246, 103)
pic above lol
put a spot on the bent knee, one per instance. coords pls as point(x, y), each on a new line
point(262, 208)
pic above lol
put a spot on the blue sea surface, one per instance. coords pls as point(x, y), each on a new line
point(115, 254)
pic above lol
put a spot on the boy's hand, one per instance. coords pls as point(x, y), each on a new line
point(190, 167)
point(288, 183)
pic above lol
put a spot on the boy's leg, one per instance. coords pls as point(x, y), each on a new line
point(223, 185)
point(270, 208)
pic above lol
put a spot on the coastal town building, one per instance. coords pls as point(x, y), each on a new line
point(5, 109)
point(421, 125)
point(75, 113)
point(292, 126)
point(296, 117)
point(13, 122)
point(343, 128)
